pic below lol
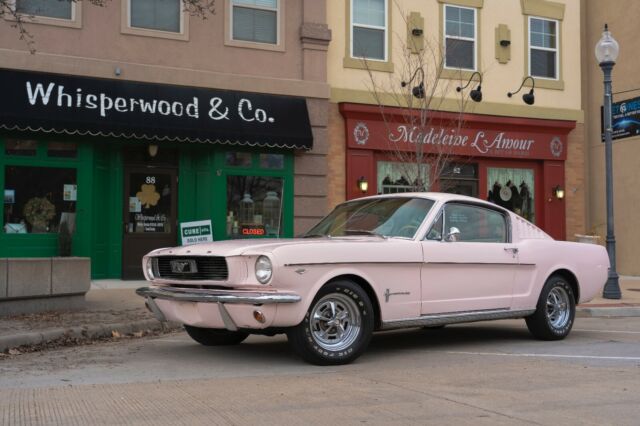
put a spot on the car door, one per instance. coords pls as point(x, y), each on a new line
point(469, 263)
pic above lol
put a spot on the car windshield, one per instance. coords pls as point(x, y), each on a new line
point(386, 217)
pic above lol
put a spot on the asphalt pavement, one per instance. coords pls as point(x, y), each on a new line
point(113, 310)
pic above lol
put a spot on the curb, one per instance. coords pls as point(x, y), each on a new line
point(607, 312)
point(83, 332)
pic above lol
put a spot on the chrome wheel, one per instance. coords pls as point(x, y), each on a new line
point(335, 322)
point(558, 307)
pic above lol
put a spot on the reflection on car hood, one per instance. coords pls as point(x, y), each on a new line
point(254, 246)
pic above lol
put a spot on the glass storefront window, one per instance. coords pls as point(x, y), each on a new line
point(254, 206)
point(150, 203)
point(513, 189)
point(62, 150)
point(237, 159)
point(272, 161)
point(25, 147)
point(38, 199)
point(394, 177)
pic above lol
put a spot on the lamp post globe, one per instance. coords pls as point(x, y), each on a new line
point(607, 48)
point(606, 51)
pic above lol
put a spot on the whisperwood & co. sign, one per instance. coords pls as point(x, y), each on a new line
point(99, 107)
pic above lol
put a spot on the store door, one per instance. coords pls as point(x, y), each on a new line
point(149, 215)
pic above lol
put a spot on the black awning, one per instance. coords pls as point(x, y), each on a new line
point(63, 104)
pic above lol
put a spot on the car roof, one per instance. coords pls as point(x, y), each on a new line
point(435, 196)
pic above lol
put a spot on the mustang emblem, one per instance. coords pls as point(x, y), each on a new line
point(184, 266)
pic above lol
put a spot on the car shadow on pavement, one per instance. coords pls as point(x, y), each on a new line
point(450, 337)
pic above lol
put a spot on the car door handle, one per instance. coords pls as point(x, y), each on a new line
point(512, 250)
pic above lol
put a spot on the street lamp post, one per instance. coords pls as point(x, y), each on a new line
point(607, 50)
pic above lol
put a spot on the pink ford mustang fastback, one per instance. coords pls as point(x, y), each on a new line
point(376, 263)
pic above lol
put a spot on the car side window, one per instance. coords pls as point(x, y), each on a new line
point(474, 224)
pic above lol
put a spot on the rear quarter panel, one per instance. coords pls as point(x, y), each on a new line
point(541, 258)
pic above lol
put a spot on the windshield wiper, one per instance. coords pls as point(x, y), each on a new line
point(316, 236)
point(363, 232)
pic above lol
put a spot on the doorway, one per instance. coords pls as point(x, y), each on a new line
point(149, 215)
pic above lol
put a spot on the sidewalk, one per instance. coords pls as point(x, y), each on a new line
point(112, 309)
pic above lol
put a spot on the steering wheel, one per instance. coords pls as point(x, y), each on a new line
point(407, 230)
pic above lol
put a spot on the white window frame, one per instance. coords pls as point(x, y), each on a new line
point(74, 22)
point(474, 39)
point(127, 28)
point(277, 9)
point(372, 27)
point(547, 49)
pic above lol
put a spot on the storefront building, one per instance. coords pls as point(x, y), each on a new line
point(525, 156)
point(506, 160)
point(626, 134)
point(120, 162)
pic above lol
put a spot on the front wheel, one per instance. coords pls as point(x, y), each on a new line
point(337, 327)
point(215, 337)
point(555, 312)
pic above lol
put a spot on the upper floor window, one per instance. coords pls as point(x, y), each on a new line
point(255, 21)
point(61, 9)
point(460, 37)
point(369, 26)
point(160, 15)
point(543, 48)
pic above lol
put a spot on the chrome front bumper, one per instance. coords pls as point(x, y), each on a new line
point(219, 297)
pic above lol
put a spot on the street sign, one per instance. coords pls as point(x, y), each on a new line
point(196, 232)
point(625, 119)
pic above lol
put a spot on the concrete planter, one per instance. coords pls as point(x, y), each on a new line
point(29, 285)
point(589, 239)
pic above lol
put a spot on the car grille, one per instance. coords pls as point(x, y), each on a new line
point(208, 268)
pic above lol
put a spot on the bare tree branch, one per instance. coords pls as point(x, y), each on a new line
point(425, 163)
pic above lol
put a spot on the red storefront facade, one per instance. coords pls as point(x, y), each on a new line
point(516, 162)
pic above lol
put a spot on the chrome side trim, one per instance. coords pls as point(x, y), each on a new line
point(456, 317)
point(355, 263)
point(217, 296)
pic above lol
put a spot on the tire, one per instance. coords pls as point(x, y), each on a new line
point(337, 327)
point(215, 337)
point(555, 312)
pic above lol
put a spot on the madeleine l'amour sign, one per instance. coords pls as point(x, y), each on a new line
point(196, 232)
point(475, 135)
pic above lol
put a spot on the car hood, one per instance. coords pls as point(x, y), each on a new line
point(256, 246)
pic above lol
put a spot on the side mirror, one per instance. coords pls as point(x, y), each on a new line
point(453, 234)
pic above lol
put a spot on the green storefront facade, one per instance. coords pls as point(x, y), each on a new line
point(123, 196)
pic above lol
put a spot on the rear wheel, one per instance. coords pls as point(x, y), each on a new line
point(337, 327)
point(555, 312)
point(214, 336)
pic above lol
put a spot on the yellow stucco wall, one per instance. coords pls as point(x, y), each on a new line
point(353, 84)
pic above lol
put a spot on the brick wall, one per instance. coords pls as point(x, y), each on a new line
point(575, 184)
point(336, 157)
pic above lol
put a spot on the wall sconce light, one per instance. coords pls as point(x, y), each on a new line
point(417, 91)
point(475, 94)
point(558, 192)
point(363, 184)
point(528, 98)
point(153, 150)
point(416, 32)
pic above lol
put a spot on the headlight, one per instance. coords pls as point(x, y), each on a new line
point(149, 268)
point(263, 269)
